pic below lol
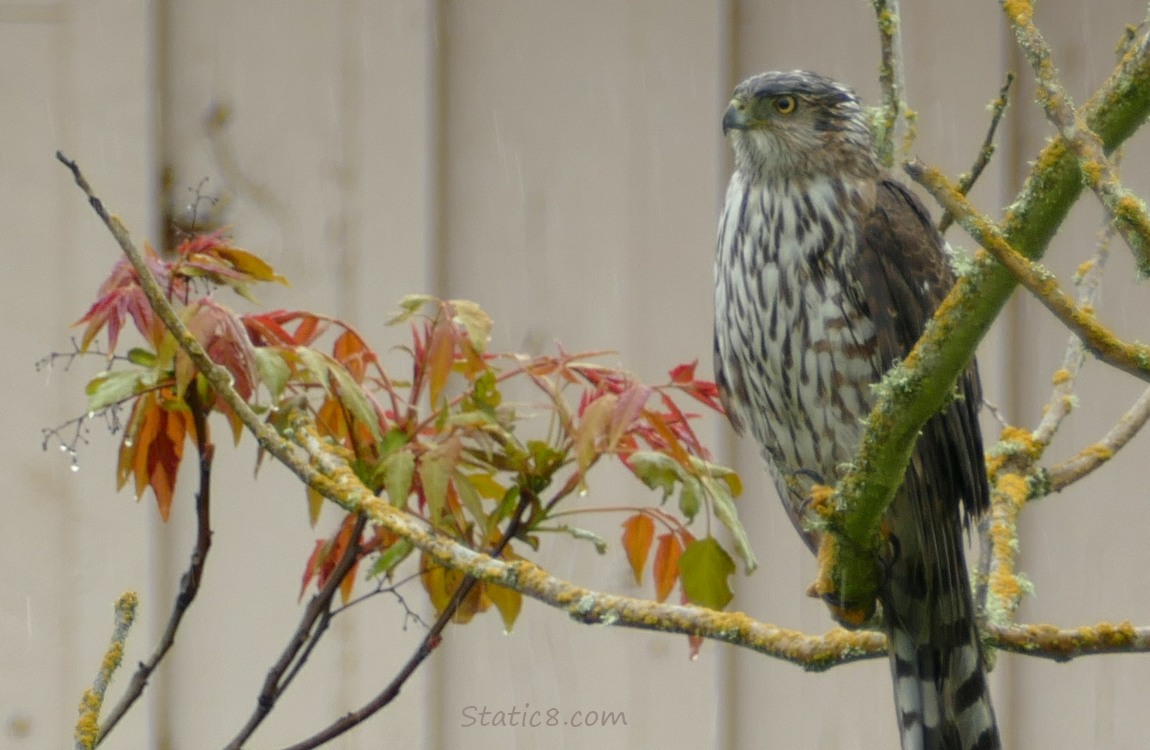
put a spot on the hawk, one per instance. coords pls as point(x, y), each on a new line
point(827, 270)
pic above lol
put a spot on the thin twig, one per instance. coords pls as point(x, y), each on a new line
point(305, 637)
point(1131, 358)
point(1093, 456)
point(1126, 210)
point(430, 641)
point(1016, 472)
point(985, 153)
point(190, 582)
point(1088, 281)
point(891, 77)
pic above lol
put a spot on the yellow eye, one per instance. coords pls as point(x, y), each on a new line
point(785, 104)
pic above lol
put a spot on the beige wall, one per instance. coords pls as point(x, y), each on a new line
point(560, 163)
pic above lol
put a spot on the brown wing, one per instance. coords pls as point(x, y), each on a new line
point(905, 275)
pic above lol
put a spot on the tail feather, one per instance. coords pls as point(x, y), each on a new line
point(937, 666)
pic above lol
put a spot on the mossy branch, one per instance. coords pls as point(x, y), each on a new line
point(1127, 212)
point(88, 725)
point(1131, 358)
point(918, 387)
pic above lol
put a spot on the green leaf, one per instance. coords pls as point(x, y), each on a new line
point(408, 306)
point(274, 372)
point(112, 386)
point(351, 395)
point(717, 482)
point(398, 470)
point(474, 320)
point(656, 470)
point(141, 357)
point(434, 474)
point(690, 497)
point(470, 498)
point(704, 568)
point(314, 363)
point(389, 558)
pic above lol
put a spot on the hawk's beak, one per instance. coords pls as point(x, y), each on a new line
point(736, 117)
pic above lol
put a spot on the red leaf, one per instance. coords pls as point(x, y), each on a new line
point(226, 341)
point(440, 358)
point(121, 297)
point(638, 533)
point(684, 374)
point(630, 406)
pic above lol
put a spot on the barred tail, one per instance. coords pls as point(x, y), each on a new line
point(940, 687)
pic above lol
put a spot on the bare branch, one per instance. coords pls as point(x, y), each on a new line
point(1088, 280)
point(985, 153)
point(892, 78)
point(189, 583)
point(1093, 456)
point(305, 637)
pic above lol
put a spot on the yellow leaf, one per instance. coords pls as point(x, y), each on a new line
point(486, 486)
point(592, 429)
point(508, 602)
point(314, 505)
point(251, 265)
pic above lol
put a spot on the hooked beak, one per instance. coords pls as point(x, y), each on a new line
point(736, 116)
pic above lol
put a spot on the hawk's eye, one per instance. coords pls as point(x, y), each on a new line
point(785, 104)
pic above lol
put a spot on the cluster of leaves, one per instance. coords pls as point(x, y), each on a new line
point(442, 443)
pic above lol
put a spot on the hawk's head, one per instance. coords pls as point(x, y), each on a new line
point(798, 124)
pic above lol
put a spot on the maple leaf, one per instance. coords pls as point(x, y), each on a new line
point(120, 298)
point(153, 446)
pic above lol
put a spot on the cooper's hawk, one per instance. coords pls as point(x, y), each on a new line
point(826, 273)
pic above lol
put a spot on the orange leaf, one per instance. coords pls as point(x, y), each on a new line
point(675, 447)
point(666, 565)
point(309, 329)
point(348, 583)
point(638, 533)
point(350, 351)
point(313, 565)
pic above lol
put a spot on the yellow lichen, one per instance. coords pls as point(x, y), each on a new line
point(1014, 487)
point(1098, 450)
point(1060, 376)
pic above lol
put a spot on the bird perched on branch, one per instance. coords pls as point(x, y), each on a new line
point(827, 272)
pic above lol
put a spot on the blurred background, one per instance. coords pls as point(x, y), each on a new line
point(561, 164)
